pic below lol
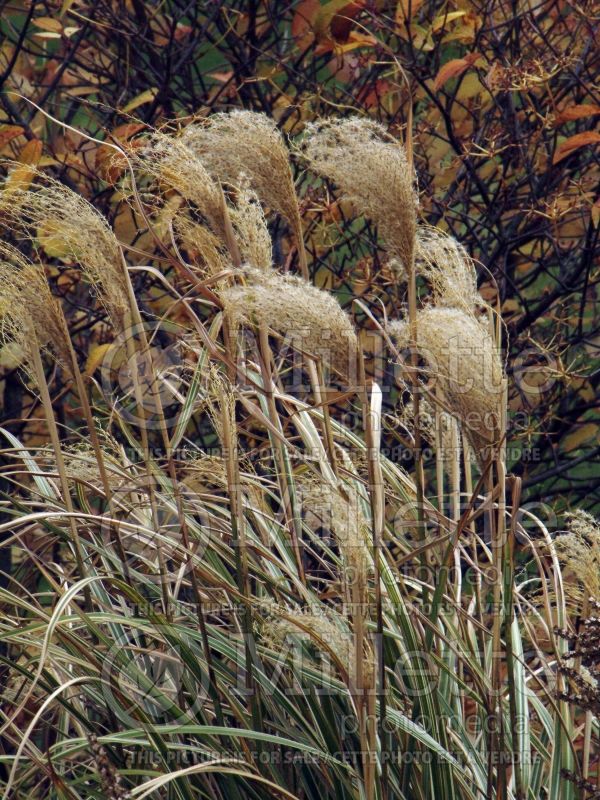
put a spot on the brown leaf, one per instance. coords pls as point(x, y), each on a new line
point(573, 143)
point(454, 68)
point(575, 112)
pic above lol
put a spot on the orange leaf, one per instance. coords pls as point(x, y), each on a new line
point(572, 113)
point(8, 132)
point(454, 68)
point(573, 143)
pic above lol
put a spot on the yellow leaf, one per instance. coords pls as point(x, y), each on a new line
point(145, 97)
point(96, 357)
point(444, 19)
point(66, 7)
point(470, 87)
point(406, 9)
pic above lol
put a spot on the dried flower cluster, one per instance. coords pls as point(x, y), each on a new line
point(309, 318)
point(337, 509)
point(448, 268)
point(463, 360)
point(248, 143)
point(30, 315)
point(579, 551)
point(372, 171)
point(68, 226)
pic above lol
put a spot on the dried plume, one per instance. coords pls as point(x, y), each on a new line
point(207, 251)
point(434, 425)
point(449, 269)
point(311, 319)
point(69, 225)
point(220, 403)
point(372, 171)
point(321, 627)
point(176, 166)
point(338, 510)
point(250, 228)
point(30, 314)
point(81, 465)
point(579, 551)
point(462, 358)
point(248, 142)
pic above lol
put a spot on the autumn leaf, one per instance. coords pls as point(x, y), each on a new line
point(96, 357)
point(454, 68)
point(407, 9)
point(575, 112)
point(31, 152)
point(573, 143)
point(48, 24)
point(21, 176)
point(327, 24)
point(9, 132)
point(303, 21)
point(145, 97)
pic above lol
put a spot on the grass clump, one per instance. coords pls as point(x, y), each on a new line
point(222, 585)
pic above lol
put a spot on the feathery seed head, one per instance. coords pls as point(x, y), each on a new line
point(221, 408)
point(318, 627)
point(338, 509)
point(56, 214)
point(372, 171)
point(31, 315)
point(579, 551)
point(248, 142)
point(170, 161)
point(311, 319)
point(81, 464)
point(462, 357)
point(250, 227)
point(445, 263)
point(206, 250)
